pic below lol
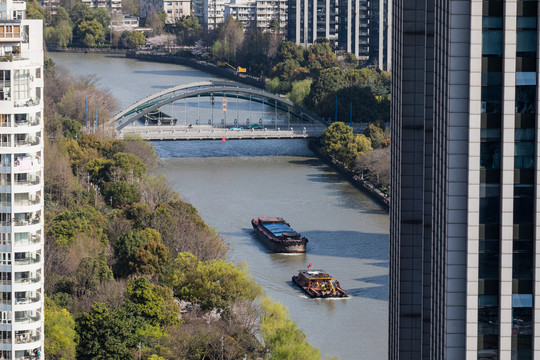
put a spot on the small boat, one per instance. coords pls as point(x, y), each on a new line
point(278, 235)
point(318, 284)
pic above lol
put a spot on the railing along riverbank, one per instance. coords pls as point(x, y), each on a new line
point(88, 50)
point(197, 64)
point(364, 185)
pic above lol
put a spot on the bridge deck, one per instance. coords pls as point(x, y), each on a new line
point(205, 132)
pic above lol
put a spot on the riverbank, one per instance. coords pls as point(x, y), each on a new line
point(367, 187)
point(199, 65)
point(87, 50)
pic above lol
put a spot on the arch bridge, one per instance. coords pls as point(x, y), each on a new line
point(307, 123)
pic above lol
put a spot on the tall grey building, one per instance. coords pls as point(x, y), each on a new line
point(356, 26)
point(464, 234)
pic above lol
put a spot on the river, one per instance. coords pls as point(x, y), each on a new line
point(231, 182)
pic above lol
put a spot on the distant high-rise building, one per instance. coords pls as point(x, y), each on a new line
point(311, 20)
point(464, 233)
point(21, 184)
point(258, 14)
point(356, 26)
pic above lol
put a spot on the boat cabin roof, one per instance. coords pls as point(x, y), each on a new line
point(315, 274)
point(280, 229)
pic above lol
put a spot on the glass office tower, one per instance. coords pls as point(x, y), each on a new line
point(464, 226)
point(21, 184)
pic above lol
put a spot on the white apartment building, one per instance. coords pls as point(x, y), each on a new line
point(259, 13)
point(111, 5)
point(213, 13)
point(21, 184)
point(174, 9)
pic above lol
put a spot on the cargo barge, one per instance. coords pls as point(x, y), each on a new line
point(278, 235)
point(318, 284)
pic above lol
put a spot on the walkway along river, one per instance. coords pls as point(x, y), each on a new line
point(231, 182)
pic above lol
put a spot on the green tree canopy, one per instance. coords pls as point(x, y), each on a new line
point(60, 335)
point(336, 137)
point(152, 302)
point(282, 337)
point(84, 219)
point(320, 56)
point(121, 193)
point(289, 50)
point(136, 39)
point(90, 32)
point(188, 30)
point(104, 335)
point(375, 134)
point(213, 284)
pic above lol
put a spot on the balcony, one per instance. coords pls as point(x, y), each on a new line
point(28, 260)
point(28, 141)
point(27, 103)
point(27, 122)
point(22, 163)
point(26, 221)
point(26, 280)
point(25, 337)
point(27, 300)
point(28, 180)
point(12, 57)
point(31, 240)
point(27, 318)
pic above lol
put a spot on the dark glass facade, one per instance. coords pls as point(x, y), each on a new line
point(490, 180)
point(524, 179)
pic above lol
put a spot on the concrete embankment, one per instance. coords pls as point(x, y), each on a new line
point(199, 65)
point(367, 187)
point(88, 50)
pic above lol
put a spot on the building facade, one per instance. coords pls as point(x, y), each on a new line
point(464, 235)
point(258, 14)
point(173, 9)
point(111, 5)
point(356, 26)
point(21, 184)
point(311, 20)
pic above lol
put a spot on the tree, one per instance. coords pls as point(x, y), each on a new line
point(90, 273)
point(320, 56)
point(188, 30)
point(231, 34)
point(65, 226)
point(336, 137)
point(154, 303)
point(282, 337)
point(290, 50)
point(356, 146)
point(103, 335)
point(136, 39)
point(155, 22)
point(79, 12)
point(91, 32)
point(376, 162)
point(130, 166)
point(61, 16)
point(300, 90)
point(102, 16)
point(60, 335)
point(121, 194)
point(214, 284)
point(34, 11)
point(150, 259)
point(323, 89)
point(364, 104)
point(375, 134)
point(131, 7)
